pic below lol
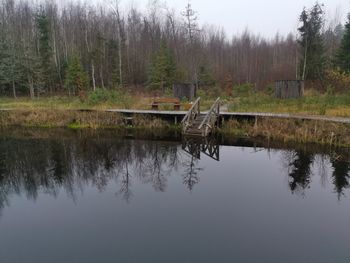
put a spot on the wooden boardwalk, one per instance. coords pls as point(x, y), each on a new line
point(235, 115)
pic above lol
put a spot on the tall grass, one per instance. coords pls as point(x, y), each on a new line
point(315, 104)
point(287, 130)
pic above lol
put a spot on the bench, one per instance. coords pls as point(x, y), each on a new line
point(167, 101)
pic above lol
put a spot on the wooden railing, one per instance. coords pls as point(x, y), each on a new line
point(211, 118)
point(191, 114)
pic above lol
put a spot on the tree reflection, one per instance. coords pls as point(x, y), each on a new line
point(125, 186)
point(340, 176)
point(191, 176)
point(194, 147)
point(32, 166)
point(299, 170)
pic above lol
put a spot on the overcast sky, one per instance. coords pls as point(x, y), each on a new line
point(266, 17)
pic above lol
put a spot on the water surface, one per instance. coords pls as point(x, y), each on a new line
point(104, 198)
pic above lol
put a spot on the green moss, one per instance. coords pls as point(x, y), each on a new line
point(77, 126)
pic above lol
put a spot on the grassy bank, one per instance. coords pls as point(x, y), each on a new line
point(290, 130)
point(313, 103)
point(74, 119)
point(285, 130)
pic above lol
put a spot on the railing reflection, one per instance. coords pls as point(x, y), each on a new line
point(195, 146)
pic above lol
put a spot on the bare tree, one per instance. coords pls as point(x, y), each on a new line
point(192, 30)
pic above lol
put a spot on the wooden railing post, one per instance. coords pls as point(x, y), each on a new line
point(192, 112)
point(207, 118)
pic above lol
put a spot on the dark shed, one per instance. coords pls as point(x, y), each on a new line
point(288, 89)
point(184, 90)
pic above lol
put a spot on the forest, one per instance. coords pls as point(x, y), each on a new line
point(77, 48)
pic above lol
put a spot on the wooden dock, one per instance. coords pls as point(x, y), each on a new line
point(233, 115)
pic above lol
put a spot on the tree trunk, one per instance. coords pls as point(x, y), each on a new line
point(31, 88)
point(101, 77)
point(93, 75)
point(120, 40)
point(120, 59)
point(305, 58)
point(14, 89)
point(92, 61)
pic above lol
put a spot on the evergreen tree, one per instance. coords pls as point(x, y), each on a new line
point(205, 77)
point(342, 59)
point(77, 79)
point(163, 69)
point(32, 68)
point(113, 63)
point(313, 59)
point(11, 69)
point(45, 74)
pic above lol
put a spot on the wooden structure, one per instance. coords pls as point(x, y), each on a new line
point(184, 90)
point(167, 101)
point(197, 124)
point(224, 116)
point(289, 89)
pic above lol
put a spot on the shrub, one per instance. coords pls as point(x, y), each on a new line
point(243, 90)
point(104, 96)
point(337, 80)
point(101, 96)
point(270, 89)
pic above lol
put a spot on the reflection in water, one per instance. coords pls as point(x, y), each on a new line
point(127, 193)
point(28, 166)
point(194, 146)
point(299, 164)
point(300, 170)
point(191, 176)
point(340, 174)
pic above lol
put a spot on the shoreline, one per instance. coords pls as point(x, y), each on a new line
point(298, 130)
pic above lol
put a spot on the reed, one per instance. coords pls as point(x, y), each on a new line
point(287, 130)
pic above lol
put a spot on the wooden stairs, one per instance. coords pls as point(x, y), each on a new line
point(197, 124)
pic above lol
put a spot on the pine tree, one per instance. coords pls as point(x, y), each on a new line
point(342, 59)
point(45, 74)
point(311, 42)
point(205, 77)
point(76, 79)
point(11, 69)
point(163, 69)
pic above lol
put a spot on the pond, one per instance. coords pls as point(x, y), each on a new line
point(74, 197)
